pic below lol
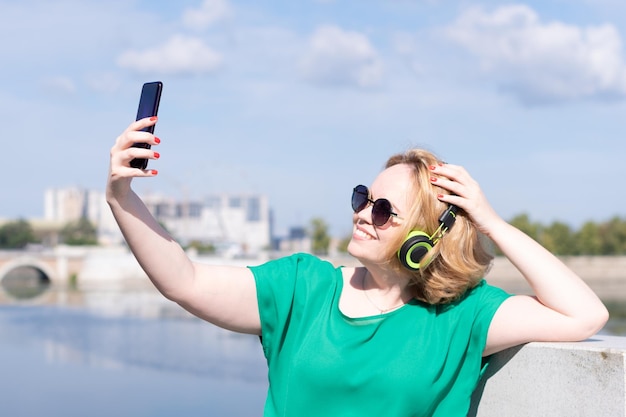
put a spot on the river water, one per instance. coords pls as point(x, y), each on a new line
point(124, 353)
point(129, 354)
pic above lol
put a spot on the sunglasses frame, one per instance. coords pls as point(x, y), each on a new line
point(378, 205)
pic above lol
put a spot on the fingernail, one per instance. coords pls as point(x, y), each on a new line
point(432, 167)
point(439, 195)
point(154, 172)
point(157, 140)
point(433, 179)
point(157, 155)
point(153, 118)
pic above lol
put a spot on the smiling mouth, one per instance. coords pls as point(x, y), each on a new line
point(362, 234)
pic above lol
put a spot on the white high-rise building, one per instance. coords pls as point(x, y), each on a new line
point(64, 205)
point(238, 224)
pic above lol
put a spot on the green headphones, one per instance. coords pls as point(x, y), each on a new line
point(418, 243)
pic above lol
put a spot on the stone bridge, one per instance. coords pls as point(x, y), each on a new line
point(56, 266)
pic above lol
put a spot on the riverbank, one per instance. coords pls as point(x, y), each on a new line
point(109, 266)
point(96, 272)
point(606, 275)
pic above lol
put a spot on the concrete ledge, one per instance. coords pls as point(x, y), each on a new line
point(586, 379)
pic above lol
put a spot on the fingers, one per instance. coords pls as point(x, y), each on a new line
point(453, 178)
point(465, 193)
point(134, 143)
point(144, 123)
point(138, 132)
point(463, 190)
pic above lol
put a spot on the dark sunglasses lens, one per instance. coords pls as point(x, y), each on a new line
point(381, 211)
point(360, 197)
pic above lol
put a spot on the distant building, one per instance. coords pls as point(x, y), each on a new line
point(237, 224)
point(298, 240)
point(65, 205)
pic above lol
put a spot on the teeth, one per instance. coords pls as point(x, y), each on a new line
point(360, 233)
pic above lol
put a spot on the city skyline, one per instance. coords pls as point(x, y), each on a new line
point(302, 102)
point(239, 223)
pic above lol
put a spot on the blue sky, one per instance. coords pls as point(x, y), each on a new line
point(302, 100)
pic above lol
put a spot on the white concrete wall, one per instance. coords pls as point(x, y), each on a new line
point(584, 379)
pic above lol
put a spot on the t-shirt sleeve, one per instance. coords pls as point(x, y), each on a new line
point(487, 301)
point(275, 286)
point(284, 287)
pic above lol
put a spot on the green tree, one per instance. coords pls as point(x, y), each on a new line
point(201, 247)
point(588, 241)
point(558, 239)
point(16, 234)
point(613, 236)
point(79, 232)
point(523, 223)
point(320, 239)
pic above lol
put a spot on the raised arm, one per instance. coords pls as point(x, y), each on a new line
point(564, 308)
point(223, 295)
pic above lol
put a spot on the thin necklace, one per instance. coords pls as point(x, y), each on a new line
point(381, 310)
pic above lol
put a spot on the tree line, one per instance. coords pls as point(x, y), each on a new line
point(604, 238)
point(592, 238)
point(18, 234)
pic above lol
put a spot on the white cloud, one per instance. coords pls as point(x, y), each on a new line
point(181, 55)
point(541, 61)
point(339, 57)
point(209, 13)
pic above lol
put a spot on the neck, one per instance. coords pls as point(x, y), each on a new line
point(384, 279)
point(386, 297)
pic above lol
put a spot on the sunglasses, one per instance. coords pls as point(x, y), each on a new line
point(381, 208)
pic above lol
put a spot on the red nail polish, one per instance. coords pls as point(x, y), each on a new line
point(154, 172)
point(157, 140)
point(439, 195)
point(432, 167)
point(153, 118)
point(433, 179)
point(157, 155)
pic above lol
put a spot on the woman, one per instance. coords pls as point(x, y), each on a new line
point(405, 334)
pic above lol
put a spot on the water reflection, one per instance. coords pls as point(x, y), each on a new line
point(25, 282)
point(128, 354)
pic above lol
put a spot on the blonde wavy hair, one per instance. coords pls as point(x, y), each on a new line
point(460, 259)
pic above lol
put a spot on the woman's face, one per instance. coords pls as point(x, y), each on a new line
point(370, 243)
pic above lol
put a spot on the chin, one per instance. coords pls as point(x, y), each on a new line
point(362, 253)
point(355, 249)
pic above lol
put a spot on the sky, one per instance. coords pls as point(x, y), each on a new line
point(303, 100)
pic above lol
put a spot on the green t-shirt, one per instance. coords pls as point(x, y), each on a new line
point(419, 360)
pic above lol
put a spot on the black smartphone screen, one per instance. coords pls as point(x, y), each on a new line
point(148, 107)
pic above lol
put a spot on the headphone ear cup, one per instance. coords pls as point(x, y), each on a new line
point(415, 247)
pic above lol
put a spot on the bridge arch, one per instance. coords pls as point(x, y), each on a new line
point(37, 277)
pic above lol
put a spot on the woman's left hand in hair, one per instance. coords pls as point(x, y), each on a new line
point(465, 193)
point(563, 307)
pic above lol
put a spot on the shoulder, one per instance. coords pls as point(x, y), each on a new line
point(294, 268)
point(295, 261)
point(482, 297)
point(486, 292)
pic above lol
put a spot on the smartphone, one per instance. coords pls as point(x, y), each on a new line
point(148, 107)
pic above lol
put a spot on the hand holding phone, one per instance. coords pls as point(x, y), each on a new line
point(148, 107)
